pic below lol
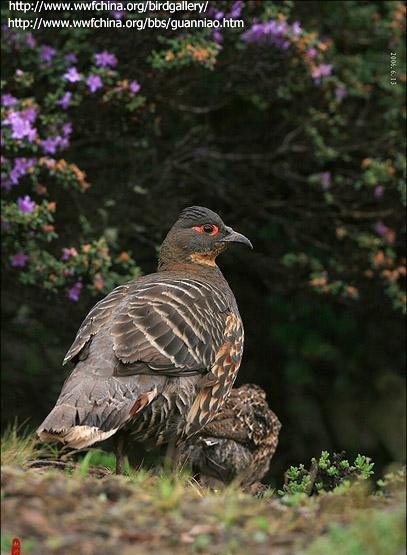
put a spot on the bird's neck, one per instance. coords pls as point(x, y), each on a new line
point(195, 266)
point(210, 272)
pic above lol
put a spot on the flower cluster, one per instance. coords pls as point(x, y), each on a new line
point(34, 131)
point(282, 35)
point(188, 49)
point(21, 123)
point(276, 32)
point(20, 168)
point(217, 13)
point(40, 131)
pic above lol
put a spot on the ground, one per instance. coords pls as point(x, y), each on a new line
point(84, 508)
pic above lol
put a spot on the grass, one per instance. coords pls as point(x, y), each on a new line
point(87, 509)
point(19, 446)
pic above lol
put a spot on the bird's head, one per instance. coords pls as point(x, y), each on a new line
point(198, 236)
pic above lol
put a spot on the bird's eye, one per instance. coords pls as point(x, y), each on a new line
point(209, 229)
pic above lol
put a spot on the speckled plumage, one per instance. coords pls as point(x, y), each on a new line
point(157, 356)
point(238, 443)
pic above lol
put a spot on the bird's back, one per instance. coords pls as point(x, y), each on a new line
point(142, 355)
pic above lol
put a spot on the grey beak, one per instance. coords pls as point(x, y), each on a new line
point(235, 237)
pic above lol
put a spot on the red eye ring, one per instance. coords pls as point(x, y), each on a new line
point(208, 229)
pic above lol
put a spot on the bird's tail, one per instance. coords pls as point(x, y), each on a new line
point(58, 427)
point(92, 408)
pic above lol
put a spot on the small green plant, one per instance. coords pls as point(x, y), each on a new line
point(326, 473)
point(363, 465)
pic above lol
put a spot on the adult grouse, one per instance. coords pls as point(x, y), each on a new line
point(238, 443)
point(158, 355)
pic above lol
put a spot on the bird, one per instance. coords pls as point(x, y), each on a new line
point(238, 443)
point(156, 358)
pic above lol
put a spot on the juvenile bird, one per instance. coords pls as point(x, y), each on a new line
point(158, 356)
point(238, 443)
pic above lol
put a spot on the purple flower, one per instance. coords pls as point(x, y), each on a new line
point(21, 166)
point(340, 92)
point(50, 144)
point(19, 260)
point(67, 129)
point(219, 15)
point(236, 9)
point(105, 59)
point(94, 82)
point(8, 100)
point(386, 232)
point(118, 14)
point(325, 69)
point(65, 101)
point(296, 28)
point(66, 253)
point(5, 183)
point(71, 58)
point(30, 114)
point(379, 191)
point(321, 71)
point(325, 178)
point(281, 28)
point(47, 53)
point(311, 52)
point(72, 75)
point(380, 228)
point(217, 36)
point(30, 40)
point(20, 123)
point(64, 142)
point(134, 87)
point(274, 32)
point(75, 291)
point(26, 204)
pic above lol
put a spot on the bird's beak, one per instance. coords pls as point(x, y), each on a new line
point(235, 237)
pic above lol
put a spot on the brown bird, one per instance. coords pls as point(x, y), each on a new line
point(238, 443)
point(158, 356)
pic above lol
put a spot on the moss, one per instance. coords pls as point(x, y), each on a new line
point(374, 532)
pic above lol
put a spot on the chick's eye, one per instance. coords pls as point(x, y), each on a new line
point(209, 229)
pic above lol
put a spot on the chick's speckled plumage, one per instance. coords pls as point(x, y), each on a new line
point(238, 443)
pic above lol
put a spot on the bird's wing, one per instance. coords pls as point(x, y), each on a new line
point(224, 369)
point(94, 322)
point(167, 326)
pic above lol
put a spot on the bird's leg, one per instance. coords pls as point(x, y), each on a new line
point(120, 442)
point(172, 455)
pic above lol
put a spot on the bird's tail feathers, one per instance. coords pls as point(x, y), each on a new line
point(93, 408)
point(60, 426)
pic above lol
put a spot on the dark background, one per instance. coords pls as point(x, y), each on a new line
point(244, 139)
